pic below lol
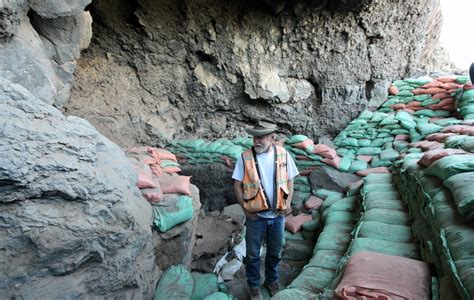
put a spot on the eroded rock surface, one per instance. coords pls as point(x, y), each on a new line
point(73, 222)
point(160, 70)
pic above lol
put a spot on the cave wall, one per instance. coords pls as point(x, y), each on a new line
point(159, 70)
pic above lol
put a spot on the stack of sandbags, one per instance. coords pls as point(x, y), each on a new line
point(308, 156)
point(445, 235)
point(339, 214)
point(465, 103)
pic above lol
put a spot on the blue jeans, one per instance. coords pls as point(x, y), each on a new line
point(258, 230)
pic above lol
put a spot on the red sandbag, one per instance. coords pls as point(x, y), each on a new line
point(304, 144)
point(393, 90)
point(468, 86)
point(175, 184)
point(399, 106)
point(431, 156)
point(153, 195)
point(430, 91)
point(334, 162)
point(413, 104)
point(293, 223)
point(434, 83)
point(171, 169)
point(427, 145)
point(366, 158)
point(439, 137)
point(402, 137)
point(446, 101)
point(370, 275)
point(378, 170)
point(162, 153)
point(313, 202)
point(440, 96)
point(447, 78)
point(459, 129)
point(324, 151)
point(451, 86)
point(156, 169)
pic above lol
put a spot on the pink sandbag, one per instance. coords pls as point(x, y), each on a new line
point(160, 154)
point(434, 83)
point(409, 110)
point(144, 179)
point(334, 162)
point(171, 169)
point(431, 91)
point(366, 158)
point(393, 90)
point(293, 223)
point(138, 150)
point(156, 169)
point(459, 129)
point(370, 275)
point(439, 137)
point(313, 202)
point(399, 106)
point(175, 184)
point(447, 78)
point(402, 137)
point(440, 95)
point(451, 85)
point(378, 170)
point(413, 104)
point(324, 151)
point(304, 144)
point(431, 156)
point(427, 145)
point(153, 195)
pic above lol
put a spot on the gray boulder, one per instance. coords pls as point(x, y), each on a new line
point(331, 179)
point(74, 224)
point(11, 14)
point(58, 8)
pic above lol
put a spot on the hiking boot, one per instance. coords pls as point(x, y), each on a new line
point(255, 293)
point(273, 288)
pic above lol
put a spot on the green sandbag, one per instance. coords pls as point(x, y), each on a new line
point(451, 165)
point(168, 163)
point(345, 164)
point(204, 285)
point(326, 259)
point(422, 97)
point(331, 241)
point(385, 204)
point(358, 165)
point(350, 142)
point(340, 217)
point(309, 235)
point(456, 141)
point(429, 128)
point(386, 232)
point(381, 195)
point(385, 187)
point(389, 120)
point(415, 136)
point(330, 200)
point(378, 142)
point(378, 178)
point(302, 187)
point(289, 236)
point(364, 142)
point(468, 146)
point(462, 187)
point(219, 296)
point(408, 250)
point(323, 194)
point(175, 283)
point(169, 213)
point(313, 279)
point(312, 225)
point(389, 155)
point(296, 139)
point(387, 216)
point(369, 151)
point(296, 294)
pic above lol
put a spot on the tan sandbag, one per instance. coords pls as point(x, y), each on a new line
point(451, 85)
point(371, 275)
point(162, 154)
point(294, 223)
point(430, 91)
point(431, 156)
point(175, 184)
point(434, 83)
point(439, 137)
point(447, 78)
point(313, 202)
point(378, 170)
point(440, 95)
point(402, 137)
point(427, 145)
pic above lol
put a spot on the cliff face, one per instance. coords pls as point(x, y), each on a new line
point(159, 69)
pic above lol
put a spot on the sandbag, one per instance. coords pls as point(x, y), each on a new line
point(326, 259)
point(462, 187)
point(172, 211)
point(381, 276)
point(433, 155)
point(204, 285)
point(386, 232)
point(313, 202)
point(408, 250)
point(294, 223)
point(175, 184)
point(451, 165)
point(175, 283)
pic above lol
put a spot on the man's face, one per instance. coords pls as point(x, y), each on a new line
point(263, 143)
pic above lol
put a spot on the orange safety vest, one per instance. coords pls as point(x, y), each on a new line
point(255, 199)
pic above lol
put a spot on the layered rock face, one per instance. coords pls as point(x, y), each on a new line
point(158, 70)
point(73, 223)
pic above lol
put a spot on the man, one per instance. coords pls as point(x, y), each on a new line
point(264, 187)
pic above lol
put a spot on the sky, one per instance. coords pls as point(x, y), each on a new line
point(457, 33)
